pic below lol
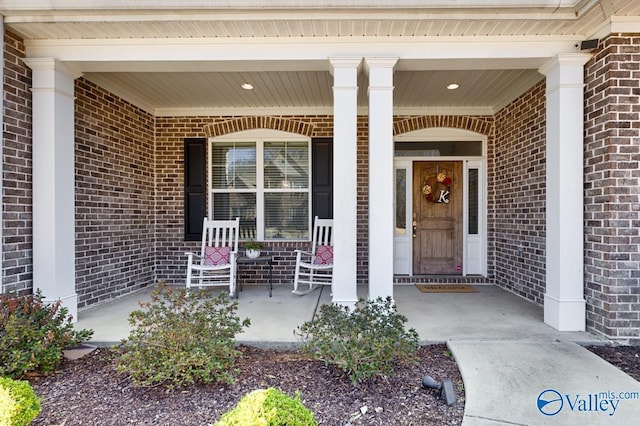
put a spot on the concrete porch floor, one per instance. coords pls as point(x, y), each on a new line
point(490, 313)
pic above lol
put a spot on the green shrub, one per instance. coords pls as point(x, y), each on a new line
point(33, 334)
point(18, 402)
point(268, 407)
point(180, 338)
point(364, 342)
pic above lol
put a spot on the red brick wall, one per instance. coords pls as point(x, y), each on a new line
point(170, 134)
point(518, 195)
point(17, 242)
point(612, 188)
point(362, 194)
point(115, 208)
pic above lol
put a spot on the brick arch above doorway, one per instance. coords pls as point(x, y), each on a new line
point(483, 124)
point(259, 122)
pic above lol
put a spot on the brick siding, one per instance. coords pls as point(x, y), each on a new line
point(17, 224)
point(114, 180)
point(517, 195)
point(171, 246)
point(612, 188)
point(170, 133)
point(362, 203)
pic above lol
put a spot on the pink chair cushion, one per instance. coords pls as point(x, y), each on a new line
point(216, 256)
point(324, 255)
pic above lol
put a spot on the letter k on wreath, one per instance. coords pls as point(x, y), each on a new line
point(437, 188)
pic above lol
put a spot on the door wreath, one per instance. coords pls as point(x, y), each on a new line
point(437, 188)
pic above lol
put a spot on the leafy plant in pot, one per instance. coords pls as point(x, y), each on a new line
point(252, 249)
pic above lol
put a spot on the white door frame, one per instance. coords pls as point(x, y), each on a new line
point(474, 246)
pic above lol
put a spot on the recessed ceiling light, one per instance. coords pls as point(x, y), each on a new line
point(247, 86)
point(453, 86)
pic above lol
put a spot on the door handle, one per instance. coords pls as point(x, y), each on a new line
point(414, 225)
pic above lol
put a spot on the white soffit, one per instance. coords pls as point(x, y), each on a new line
point(220, 93)
point(141, 49)
point(275, 4)
point(95, 19)
point(195, 77)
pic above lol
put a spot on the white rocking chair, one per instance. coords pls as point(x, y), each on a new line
point(315, 267)
point(216, 263)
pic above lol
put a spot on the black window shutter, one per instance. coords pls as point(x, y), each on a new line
point(322, 178)
point(195, 187)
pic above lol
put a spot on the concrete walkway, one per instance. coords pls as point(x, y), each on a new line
point(542, 383)
point(511, 362)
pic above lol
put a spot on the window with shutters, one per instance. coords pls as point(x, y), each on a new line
point(262, 177)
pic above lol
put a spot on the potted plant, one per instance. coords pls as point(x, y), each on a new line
point(252, 249)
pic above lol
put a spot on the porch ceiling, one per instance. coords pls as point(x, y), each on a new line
point(170, 93)
point(184, 87)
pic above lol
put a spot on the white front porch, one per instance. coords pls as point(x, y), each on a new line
point(54, 68)
point(491, 313)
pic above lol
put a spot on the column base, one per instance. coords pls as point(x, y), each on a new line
point(375, 293)
point(350, 303)
point(565, 314)
point(70, 302)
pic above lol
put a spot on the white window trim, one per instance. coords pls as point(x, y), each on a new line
point(259, 136)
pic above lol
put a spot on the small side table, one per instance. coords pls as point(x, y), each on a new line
point(267, 260)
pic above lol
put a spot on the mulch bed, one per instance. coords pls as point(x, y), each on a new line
point(89, 391)
point(626, 358)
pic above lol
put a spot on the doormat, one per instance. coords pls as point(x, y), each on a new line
point(446, 288)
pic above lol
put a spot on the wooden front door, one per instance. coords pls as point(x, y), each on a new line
point(437, 218)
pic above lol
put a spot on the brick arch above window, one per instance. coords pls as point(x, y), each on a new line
point(259, 122)
point(481, 125)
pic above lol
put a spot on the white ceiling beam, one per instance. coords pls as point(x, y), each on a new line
point(239, 112)
point(395, 14)
point(62, 5)
point(616, 24)
point(607, 8)
point(279, 54)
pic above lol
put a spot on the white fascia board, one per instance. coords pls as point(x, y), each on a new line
point(616, 24)
point(127, 16)
point(249, 65)
point(136, 51)
point(240, 112)
point(625, 24)
point(409, 111)
point(22, 5)
point(244, 65)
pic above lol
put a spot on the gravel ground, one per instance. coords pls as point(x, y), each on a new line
point(89, 391)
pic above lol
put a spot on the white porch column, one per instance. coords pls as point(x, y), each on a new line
point(564, 304)
point(345, 121)
point(381, 178)
point(53, 182)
